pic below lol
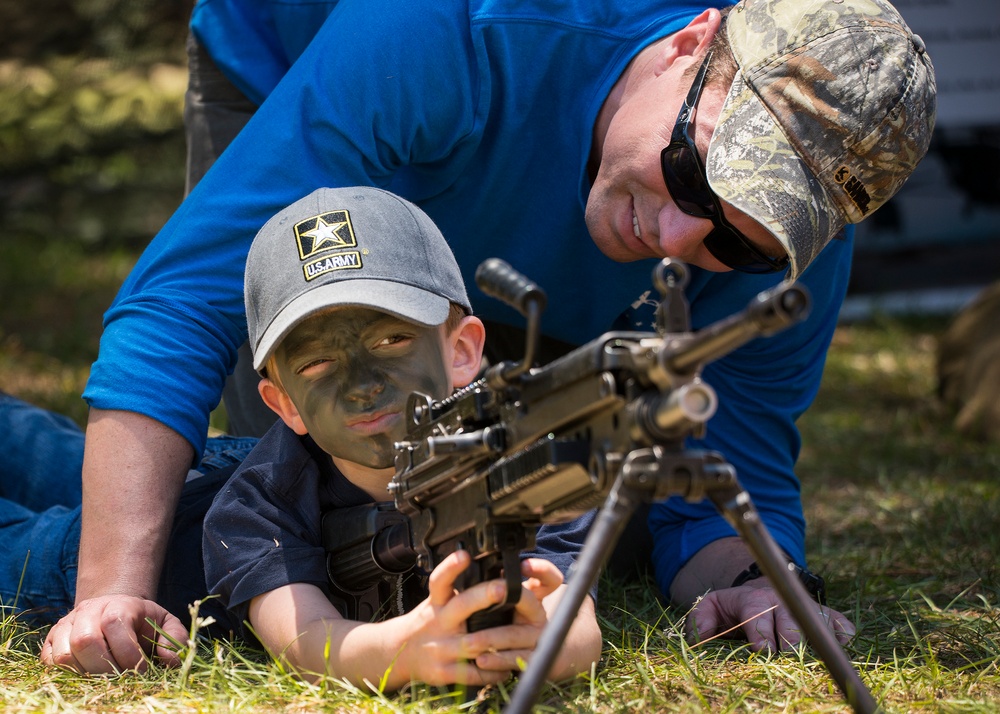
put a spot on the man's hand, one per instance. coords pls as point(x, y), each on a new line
point(753, 609)
point(113, 633)
point(756, 611)
point(133, 471)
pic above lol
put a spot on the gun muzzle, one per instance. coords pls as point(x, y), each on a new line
point(672, 415)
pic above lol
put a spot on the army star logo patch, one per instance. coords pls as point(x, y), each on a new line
point(327, 231)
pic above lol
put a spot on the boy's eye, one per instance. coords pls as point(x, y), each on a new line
point(314, 366)
point(393, 340)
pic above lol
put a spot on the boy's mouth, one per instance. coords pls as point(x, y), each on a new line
point(374, 423)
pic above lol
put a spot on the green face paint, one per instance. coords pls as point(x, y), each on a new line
point(350, 371)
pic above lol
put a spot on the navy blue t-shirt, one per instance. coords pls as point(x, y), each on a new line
point(263, 530)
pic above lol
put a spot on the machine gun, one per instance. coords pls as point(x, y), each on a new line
point(603, 426)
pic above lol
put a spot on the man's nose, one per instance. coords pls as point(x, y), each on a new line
point(680, 234)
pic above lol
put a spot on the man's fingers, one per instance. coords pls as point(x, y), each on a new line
point(791, 633)
point(759, 613)
point(843, 628)
point(112, 634)
point(762, 630)
point(56, 651)
point(703, 621)
point(166, 650)
point(128, 638)
point(787, 631)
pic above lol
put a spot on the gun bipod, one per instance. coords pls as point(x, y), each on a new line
point(653, 475)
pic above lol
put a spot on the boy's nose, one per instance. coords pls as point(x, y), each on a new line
point(367, 384)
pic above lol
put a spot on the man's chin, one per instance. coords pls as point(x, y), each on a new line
point(615, 249)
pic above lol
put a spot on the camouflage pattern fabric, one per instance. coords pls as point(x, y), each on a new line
point(831, 110)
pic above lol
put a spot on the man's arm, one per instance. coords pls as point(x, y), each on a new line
point(133, 471)
point(714, 567)
point(763, 388)
point(753, 608)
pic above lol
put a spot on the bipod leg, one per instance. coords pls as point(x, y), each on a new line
point(601, 540)
point(735, 505)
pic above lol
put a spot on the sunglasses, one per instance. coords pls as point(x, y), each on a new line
point(686, 179)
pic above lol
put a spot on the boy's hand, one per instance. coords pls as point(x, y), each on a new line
point(439, 648)
point(542, 579)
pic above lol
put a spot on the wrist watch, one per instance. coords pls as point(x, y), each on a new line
point(814, 584)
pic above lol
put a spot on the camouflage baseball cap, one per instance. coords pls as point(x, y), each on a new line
point(831, 110)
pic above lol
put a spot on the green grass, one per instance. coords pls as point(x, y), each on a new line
point(902, 517)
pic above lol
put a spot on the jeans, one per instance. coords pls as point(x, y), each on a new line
point(40, 497)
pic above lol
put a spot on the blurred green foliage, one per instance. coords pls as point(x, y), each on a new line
point(91, 165)
point(142, 29)
point(91, 99)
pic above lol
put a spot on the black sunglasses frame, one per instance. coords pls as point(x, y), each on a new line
point(687, 181)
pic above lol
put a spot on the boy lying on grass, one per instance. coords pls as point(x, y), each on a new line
point(354, 300)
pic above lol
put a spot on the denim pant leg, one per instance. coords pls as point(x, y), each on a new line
point(42, 456)
point(38, 561)
point(224, 451)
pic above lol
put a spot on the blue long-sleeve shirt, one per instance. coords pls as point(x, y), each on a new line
point(482, 113)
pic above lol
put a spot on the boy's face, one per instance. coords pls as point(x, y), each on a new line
point(350, 371)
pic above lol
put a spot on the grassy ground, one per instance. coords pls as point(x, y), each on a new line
point(902, 520)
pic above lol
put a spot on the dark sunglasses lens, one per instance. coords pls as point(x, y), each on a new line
point(683, 175)
point(729, 249)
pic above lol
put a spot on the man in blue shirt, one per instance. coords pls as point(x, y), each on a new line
point(578, 141)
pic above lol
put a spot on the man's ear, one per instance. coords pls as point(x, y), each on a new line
point(281, 404)
point(690, 41)
point(466, 341)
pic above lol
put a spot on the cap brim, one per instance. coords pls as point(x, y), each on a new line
point(752, 165)
point(398, 299)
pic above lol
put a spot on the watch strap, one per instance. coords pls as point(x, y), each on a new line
point(814, 584)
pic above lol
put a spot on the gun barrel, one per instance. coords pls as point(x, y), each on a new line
point(769, 312)
point(688, 405)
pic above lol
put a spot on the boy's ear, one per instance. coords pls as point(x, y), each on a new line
point(281, 404)
point(467, 341)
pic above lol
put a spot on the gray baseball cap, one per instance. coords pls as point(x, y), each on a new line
point(357, 246)
point(831, 110)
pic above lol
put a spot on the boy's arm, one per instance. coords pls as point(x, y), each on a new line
point(427, 644)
